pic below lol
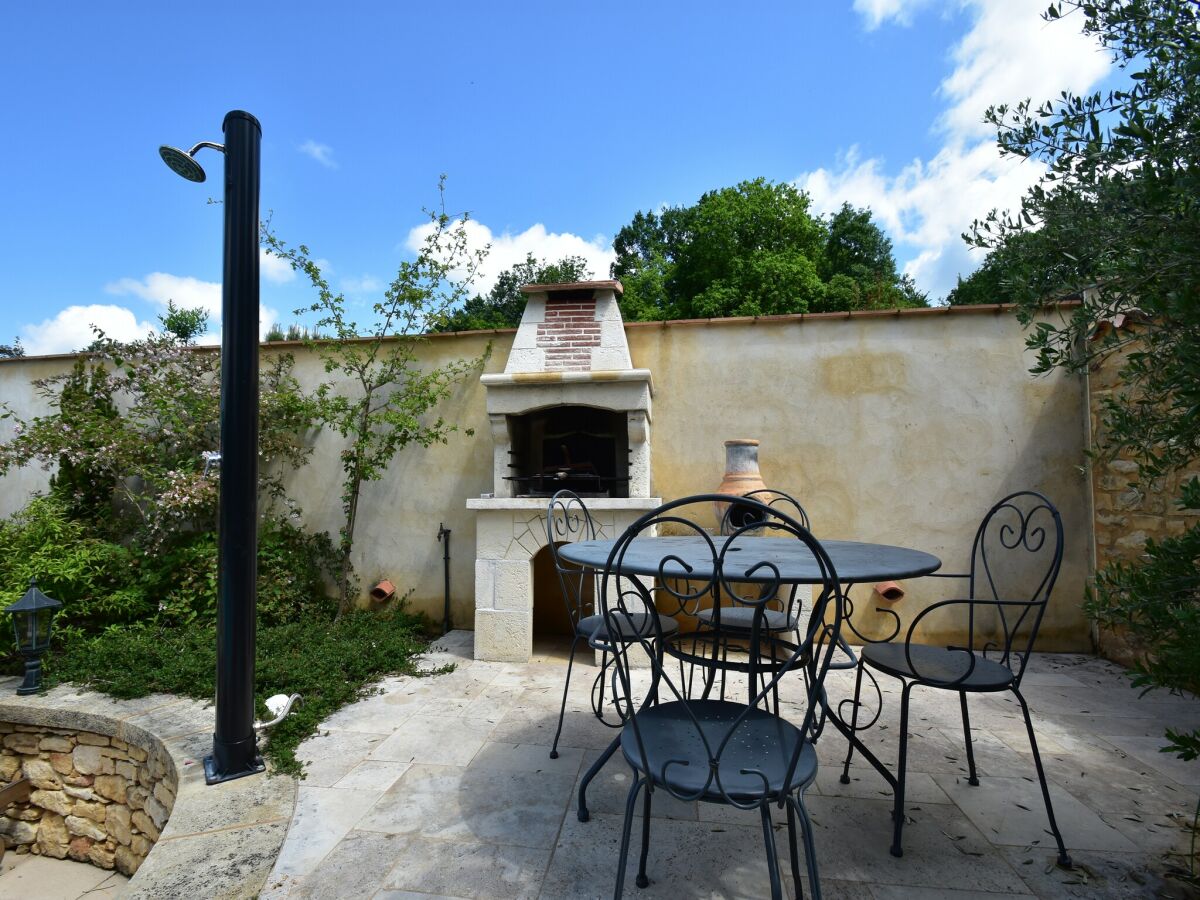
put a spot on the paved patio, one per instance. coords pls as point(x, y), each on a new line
point(443, 787)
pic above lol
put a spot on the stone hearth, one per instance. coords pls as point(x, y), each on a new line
point(569, 352)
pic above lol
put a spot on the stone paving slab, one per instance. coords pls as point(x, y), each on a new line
point(443, 787)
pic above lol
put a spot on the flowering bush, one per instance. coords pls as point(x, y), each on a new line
point(127, 534)
point(129, 428)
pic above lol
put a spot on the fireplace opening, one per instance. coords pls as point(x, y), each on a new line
point(550, 616)
point(574, 448)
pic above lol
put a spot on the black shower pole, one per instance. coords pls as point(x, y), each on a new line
point(235, 750)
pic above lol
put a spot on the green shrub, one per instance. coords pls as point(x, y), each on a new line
point(294, 568)
point(331, 663)
point(295, 571)
point(96, 580)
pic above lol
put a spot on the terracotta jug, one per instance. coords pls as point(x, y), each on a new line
point(741, 472)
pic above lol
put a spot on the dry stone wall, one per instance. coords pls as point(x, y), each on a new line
point(95, 798)
point(1128, 510)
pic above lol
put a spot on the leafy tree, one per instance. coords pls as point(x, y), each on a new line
point(857, 248)
point(381, 399)
point(1018, 259)
point(185, 324)
point(504, 304)
point(13, 350)
point(1116, 220)
point(754, 249)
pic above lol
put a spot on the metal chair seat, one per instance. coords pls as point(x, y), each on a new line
point(939, 666)
point(741, 618)
point(638, 627)
point(676, 757)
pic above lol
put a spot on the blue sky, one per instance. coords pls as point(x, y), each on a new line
point(554, 122)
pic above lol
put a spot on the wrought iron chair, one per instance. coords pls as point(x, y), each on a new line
point(733, 752)
point(1015, 560)
point(734, 620)
point(567, 521)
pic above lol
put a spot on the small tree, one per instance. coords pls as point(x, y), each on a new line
point(382, 398)
point(1116, 221)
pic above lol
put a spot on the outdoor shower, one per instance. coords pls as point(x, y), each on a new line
point(235, 750)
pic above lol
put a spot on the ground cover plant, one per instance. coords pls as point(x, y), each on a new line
point(330, 662)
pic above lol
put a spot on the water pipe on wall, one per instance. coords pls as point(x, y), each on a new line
point(444, 532)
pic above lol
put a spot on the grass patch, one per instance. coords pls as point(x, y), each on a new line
point(331, 663)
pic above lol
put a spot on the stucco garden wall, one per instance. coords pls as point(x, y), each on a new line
point(892, 428)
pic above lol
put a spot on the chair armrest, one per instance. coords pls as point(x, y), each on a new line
point(971, 653)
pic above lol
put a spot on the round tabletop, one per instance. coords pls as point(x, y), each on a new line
point(854, 562)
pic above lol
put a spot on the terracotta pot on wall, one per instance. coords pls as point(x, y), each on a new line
point(741, 472)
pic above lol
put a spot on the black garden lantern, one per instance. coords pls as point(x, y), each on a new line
point(33, 617)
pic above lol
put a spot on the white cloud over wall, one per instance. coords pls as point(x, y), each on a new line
point(185, 291)
point(71, 329)
point(1008, 54)
point(508, 249)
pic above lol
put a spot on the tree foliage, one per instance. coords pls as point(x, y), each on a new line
point(1116, 220)
point(381, 399)
point(503, 305)
point(754, 249)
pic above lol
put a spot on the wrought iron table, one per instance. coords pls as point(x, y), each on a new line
point(691, 558)
point(855, 562)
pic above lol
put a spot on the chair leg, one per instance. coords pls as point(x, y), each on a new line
point(710, 677)
point(630, 805)
point(810, 848)
point(898, 811)
point(642, 880)
point(853, 722)
point(772, 855)
point(603, 680)
point(973, 778)
point(583, 813)
point(1064, 858)
point(562, 711)
point(793, 851)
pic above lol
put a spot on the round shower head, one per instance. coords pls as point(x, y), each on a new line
point(181, 163)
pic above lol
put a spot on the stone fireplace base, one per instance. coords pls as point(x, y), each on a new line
point(508, 533)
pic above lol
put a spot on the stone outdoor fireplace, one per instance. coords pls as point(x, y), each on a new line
point(569, 412)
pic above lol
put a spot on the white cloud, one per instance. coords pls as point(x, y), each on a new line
point(188, 293)
point(1008, 54)
point(366, 284)
point(1011, 53)
point(322, 153)
point(508, 249)
point(71, 329)
point(159, 287)
point(876, 12)
point(275, 269)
